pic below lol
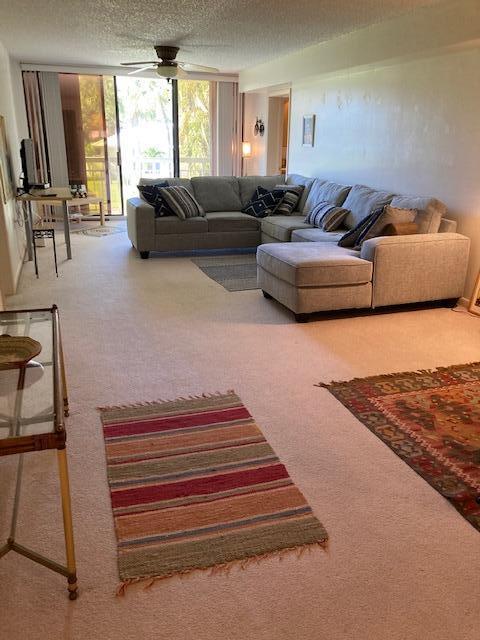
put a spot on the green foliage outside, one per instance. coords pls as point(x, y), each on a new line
point(194, 125)
point(142, 100)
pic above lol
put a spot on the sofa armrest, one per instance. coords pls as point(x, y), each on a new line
point(141, 224)
point(418, 267)
point(447, 226)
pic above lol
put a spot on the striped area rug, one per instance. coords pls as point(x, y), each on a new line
point(195, 485)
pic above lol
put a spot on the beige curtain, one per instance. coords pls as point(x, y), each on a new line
point(237, 130)
point(213, 128)
point(36, 127)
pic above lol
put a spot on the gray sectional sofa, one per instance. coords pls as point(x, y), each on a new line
point(224, 226)
point(302, 266)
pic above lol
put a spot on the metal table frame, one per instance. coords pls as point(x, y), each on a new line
point(39, 442)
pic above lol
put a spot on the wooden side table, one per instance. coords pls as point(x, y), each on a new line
point(33, 403)
point(79, 202)
point(63, 197)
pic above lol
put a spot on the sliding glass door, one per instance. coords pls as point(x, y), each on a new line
point(91, 140)
point(194, 128)
point(146, 130)
point(124, 128)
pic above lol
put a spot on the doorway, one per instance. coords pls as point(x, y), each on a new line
point(278, 128)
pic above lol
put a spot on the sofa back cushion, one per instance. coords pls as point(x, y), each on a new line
point(217, 193)
point(172, 182)
point(324, 191)
point(295, 179)
point(363, 201)
point(430, 211)
point(248, 184)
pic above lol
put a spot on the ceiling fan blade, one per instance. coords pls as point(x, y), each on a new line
point(183, 75)
point(142, 69)
point(135, 64)
point(189, 66)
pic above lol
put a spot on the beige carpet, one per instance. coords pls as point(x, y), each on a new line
point(401, 563)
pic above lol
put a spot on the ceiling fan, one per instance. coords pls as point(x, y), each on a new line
point(168, 66)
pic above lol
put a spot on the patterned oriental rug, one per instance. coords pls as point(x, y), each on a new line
point(195, 485)
point(431, 419)
point(234, 272)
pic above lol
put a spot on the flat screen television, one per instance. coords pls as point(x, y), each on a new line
point(28, 164)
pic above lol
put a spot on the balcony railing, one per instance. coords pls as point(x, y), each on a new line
point(140, 167)
point(145, 168)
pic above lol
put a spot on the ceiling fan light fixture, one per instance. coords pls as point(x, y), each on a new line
point(167, 71)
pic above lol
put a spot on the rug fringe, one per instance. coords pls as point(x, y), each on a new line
point(225, 568)
point(381, 376)
point(161, 401)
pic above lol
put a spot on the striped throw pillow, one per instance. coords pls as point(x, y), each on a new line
point(326, 216)
point(181, 202)
point(292, 194)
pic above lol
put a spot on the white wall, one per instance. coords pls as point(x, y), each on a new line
point(411, 128)
point(407, 123)
point(12, 235)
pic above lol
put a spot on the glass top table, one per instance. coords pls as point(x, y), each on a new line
point(33, 406)
point(29, 403)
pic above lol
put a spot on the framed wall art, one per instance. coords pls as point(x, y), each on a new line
point(308, 134)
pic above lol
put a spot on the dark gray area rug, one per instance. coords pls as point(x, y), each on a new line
point(233, 272)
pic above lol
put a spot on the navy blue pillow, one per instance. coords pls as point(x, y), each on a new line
point(352, 237)
point(151, 193)
point(263, 202)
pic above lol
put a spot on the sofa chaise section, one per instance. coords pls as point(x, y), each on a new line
point(306, 277)
point(427, 266)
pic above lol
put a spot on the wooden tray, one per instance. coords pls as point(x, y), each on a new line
point(16, 351)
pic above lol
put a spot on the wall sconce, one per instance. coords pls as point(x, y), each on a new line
point(259, 128)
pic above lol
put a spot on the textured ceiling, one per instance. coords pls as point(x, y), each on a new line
point(228, 34)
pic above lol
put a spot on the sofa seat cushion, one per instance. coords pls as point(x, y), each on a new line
point(172, 224)
point(314, 264)
point(281, 227)
point(362, 201)
point(231, 221)
point(248, 184)
point(317, 235)
point(217, 193)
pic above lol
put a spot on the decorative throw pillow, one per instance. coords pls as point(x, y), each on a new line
point(151, 193)
point(383, 217)
point(350, 239)
point(291, 196)
point(326, 216)
point(181, 202)
point(263, 202)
